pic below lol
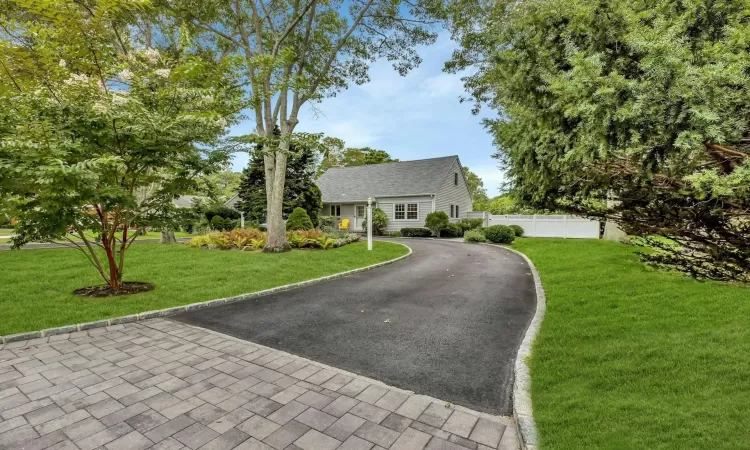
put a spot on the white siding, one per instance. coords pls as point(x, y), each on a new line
point(450, 194)
point(424, 208)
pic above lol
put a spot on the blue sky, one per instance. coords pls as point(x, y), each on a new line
point(413, 117)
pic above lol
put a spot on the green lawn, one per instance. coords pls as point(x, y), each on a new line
point(36, 285)
point(6, 231)
point(632, 358)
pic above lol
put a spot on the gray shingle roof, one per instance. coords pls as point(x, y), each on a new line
point(349, 184)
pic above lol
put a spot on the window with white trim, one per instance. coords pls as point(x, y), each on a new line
point(336, 210)
point(412, 211)
point(406, 211)
point(400, 211)
point(452, 212)
point(455, 178)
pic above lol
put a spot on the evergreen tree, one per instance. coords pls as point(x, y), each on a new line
point(299, 189)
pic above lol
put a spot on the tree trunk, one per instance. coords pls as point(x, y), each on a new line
point(275, 166)
point(167, 236)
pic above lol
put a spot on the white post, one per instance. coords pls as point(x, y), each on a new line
point(369, 223)
point(242, 220)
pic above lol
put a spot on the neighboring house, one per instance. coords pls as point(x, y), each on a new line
point(406, 191)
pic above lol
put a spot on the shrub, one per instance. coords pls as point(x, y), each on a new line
point(470, 224)
point(416, 232)
point(327, 223)
point(500, 234)
point(452, 230)
point(217, 223)
point(348, 238)
point(379, 222)
point(517, 230)
point(395, 234)
point(437, 221)
point(474, 236)
point(299, 220)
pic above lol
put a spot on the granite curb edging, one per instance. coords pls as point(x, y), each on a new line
point(523, 413)
point(190, 307)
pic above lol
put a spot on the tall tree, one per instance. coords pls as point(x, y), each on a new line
point(291, 52)
point(478, 193)
point(299, 189)
point(99, 133)
point(637, 112)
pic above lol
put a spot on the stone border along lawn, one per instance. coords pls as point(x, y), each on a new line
point(383, 254)
point(632, 357)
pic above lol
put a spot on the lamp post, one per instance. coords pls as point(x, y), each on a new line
point(369, 223)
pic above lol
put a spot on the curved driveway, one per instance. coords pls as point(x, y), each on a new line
point(445, 322)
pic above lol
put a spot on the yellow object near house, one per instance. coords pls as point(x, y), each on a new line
point(344, 225)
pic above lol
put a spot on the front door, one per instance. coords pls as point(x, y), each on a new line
point(359, 216)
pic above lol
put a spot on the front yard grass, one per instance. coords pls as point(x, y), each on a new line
point(36, 286)
point(629, 357)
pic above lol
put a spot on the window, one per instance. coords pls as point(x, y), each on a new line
point(406, 211)
point(452, 212)
point(412, 211)
point(456, 216)
point(360, 211)
point(400, 208)
point(336, 210)
point(455, 178)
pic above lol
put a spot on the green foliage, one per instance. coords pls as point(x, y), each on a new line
point(251, 239)
point(100, 130)
point(474, 236)
point(470, 224)
point(395, 234)
point(289, 53)
point(336, 155)
point(416, 232)
point(300, 190)
point(478, 193)
point(436, 221)
point(218, 186)
point(379, 222)
point(517, 230)
point(452, 230)
point(642, 103)
point(299, 220)
point(500, 234)
point(327, 223)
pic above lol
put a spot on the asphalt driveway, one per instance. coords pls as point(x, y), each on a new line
point(445, 322)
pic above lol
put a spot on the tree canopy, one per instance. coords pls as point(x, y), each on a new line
point(336, 155)
point(478, 193)
point(637, 112)
point(99, 130)
point(292, 52)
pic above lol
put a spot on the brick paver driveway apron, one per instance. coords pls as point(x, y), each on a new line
point(445, 322)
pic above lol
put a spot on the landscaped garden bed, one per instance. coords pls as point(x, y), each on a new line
point(629, 357)
point(249, 240)
point(36, 286)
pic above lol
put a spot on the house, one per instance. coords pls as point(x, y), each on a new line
point(406, 191)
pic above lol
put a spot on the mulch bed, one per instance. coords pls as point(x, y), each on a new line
point(130, 287)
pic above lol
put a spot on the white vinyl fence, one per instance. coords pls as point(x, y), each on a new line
point(557, 225)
